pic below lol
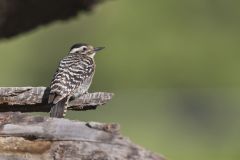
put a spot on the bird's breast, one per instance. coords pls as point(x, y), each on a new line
point(83, 88)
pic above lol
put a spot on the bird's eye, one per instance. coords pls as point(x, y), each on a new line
point(84, 48)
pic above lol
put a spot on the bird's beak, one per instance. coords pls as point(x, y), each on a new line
point(96, 49)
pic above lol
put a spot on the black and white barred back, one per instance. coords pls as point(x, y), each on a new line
point(73, 77)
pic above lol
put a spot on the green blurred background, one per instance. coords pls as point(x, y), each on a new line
point(173, 66)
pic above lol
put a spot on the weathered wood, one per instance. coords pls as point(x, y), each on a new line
point(34, 99)
point(24, 137)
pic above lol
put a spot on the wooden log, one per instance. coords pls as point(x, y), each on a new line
point(25, 137)
point(34, 99)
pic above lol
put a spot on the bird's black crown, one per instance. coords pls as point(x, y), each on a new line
point(77, 45)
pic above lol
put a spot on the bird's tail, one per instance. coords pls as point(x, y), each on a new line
point(59, 109)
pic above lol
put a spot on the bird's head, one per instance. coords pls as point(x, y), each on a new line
point(85, 49)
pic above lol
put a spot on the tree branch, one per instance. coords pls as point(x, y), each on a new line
point(18, 17)
point(34, 99)
point(24, 137)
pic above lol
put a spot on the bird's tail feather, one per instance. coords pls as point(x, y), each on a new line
point(58, 110)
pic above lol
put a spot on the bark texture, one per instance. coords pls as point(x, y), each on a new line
point(19, 16)
point(35, 99)
point(25, 137)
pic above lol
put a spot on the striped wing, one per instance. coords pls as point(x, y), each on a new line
point(66, 79)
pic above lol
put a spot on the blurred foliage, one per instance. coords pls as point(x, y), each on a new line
point(159, 56)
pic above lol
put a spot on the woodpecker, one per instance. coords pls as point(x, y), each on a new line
point(73, 77)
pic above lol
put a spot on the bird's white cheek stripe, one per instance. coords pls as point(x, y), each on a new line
point(74, 50)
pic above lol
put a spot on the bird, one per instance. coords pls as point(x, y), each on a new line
point(72, 78)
